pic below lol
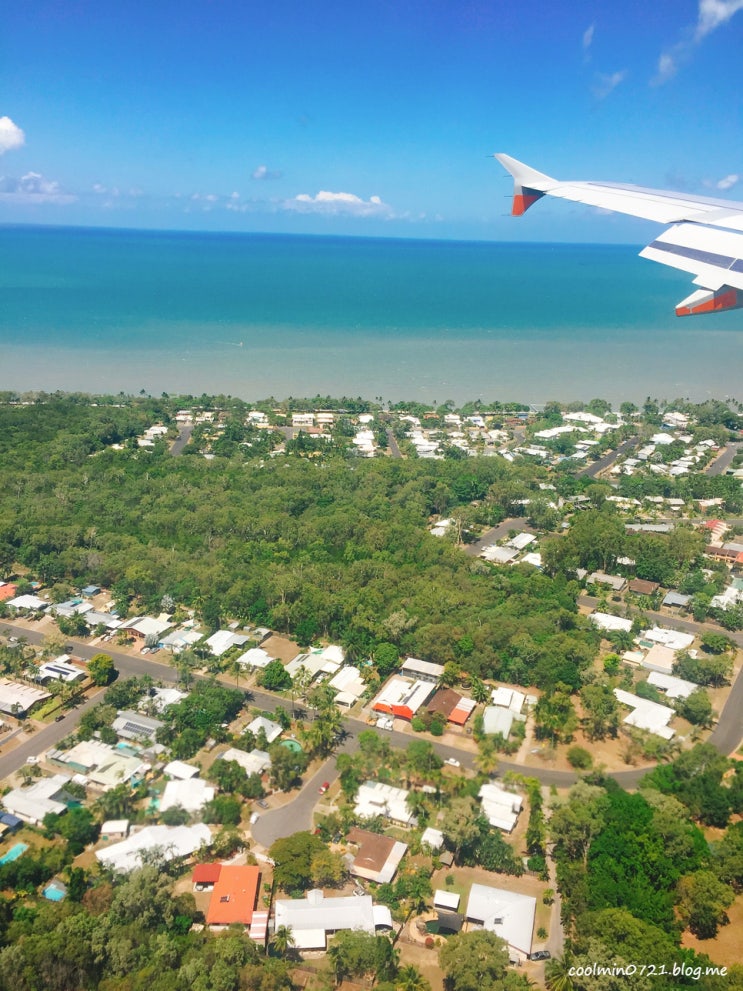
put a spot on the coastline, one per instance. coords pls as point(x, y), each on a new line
point(697, 366)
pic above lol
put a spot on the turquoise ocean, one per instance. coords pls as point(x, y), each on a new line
point(254, 315)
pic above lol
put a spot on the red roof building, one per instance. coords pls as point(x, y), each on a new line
point(206, 873)
point(234, 896)
point(7, 591)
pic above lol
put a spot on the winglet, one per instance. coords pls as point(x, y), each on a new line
point(528, 184)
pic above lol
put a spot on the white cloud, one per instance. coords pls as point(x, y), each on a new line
point(263, 172)
point(11, 136)
point(588, 37)
point(606, 83)
point(711, 14)
point(338, 203)
point(728, 182)
point(33, 188)
point(666, 68)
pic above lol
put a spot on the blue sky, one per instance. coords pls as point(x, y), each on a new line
point(368, 118)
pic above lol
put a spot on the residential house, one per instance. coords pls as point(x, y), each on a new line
point(500, 807)
point(314, 918)
point(374, 798)
point(646, 715)
point(17, 699)
point(377, 857)
point(234, 895)
point(505, 913)
point(421, 670)
point(166, 842)
point(402, 697)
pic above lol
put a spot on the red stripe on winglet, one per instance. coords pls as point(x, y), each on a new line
point(723, 301)
point(522, 202)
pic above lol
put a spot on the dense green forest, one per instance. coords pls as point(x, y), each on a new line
point(635, 870)
point(329, 545)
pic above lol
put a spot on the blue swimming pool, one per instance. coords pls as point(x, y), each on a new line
point(14, 853)
point(54, 891)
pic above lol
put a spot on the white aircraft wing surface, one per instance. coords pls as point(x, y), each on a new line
point(705, 239)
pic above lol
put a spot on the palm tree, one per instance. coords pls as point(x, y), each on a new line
point(479, 690)
point(557, 975)
point(409, 978)
point(283, 940)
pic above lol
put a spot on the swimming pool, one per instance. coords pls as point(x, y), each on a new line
point(55, 891)
point(14, 853)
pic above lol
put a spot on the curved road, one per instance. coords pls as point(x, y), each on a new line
point(297, 813)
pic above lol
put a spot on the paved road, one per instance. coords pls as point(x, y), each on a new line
point(284, 820)
point(394, 447)
point(45, 738)
point(184, 436)
point(723, 461)
point(592, 470)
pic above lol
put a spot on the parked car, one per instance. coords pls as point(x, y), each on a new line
point(59, 718)
point(254, 818)
point(452, 762)
point(540, 955)
point(324, 787)
point(32, 760)
point(263, 804)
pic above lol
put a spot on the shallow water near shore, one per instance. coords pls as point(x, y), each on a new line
point(255, 315)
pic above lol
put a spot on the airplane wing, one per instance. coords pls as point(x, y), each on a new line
point(705, 239)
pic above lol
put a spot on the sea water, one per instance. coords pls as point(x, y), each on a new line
point(254, 315)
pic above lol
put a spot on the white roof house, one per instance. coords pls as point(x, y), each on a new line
point(314, 917)
point(256, 762)
point(60, 670)
point(508, 698)
point(505, 913)
point(497, 719)
point(191, 795)
point(674, 688)
point(132, 725)
point(272, 730)
point(28, 602)
point(617, 582)
point(448, 900)
point(422, 670)
point(316, 662)
point(348, 680)
point(256, 657)
point(18, 699)
point(500, 807)
point(647, 715)
point(103, 765)
point(499, 555)
point(115, 827)
point(374, 798)
point(605, 621)
point(521, 540)
point(669, 638)
point(180, 639)
point(169, 841)
point(33, 803)
point(433, 838)
point(180, 770)
point(221, 641)
point(161, 698)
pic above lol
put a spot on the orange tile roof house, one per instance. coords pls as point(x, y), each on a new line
point(234, 896)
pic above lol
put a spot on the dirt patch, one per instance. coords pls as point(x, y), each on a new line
point(281, 647)
point(724, 949)
point(427, 961)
